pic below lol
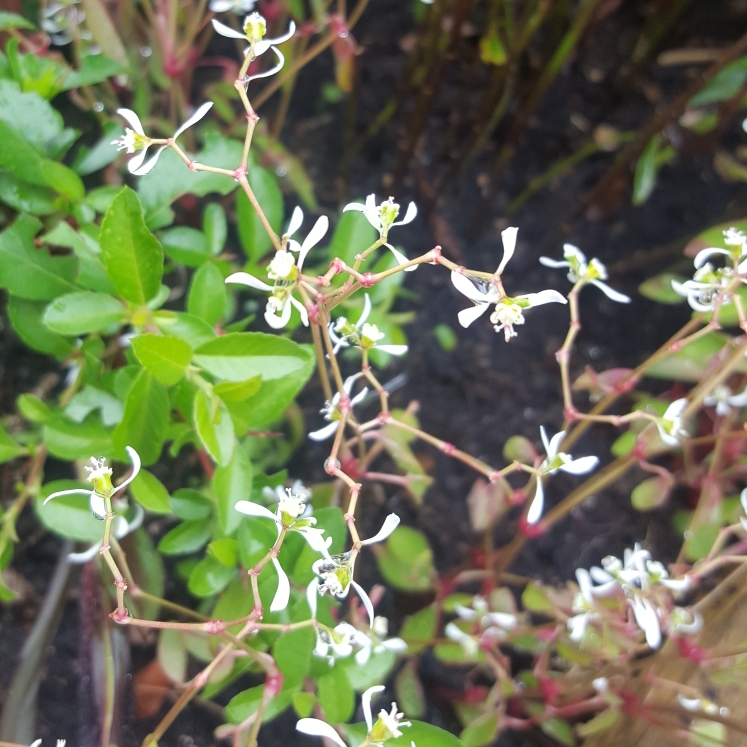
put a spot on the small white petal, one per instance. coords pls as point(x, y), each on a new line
point(502, 619)
point(584, 583)
point(66, 492)
point(78, 558)
point(359, 397)
point(324, 433)
point(611, 293)
point(271, 71)
point(543, 297)
point(467, 316)
point(538, 503)
point(316, 728)
point(367, 311)
point(262, 47)
point(301, 310)
point(580, 466)
point(148, 167)
point(312, 597)
point(545, 441)
point(571, 251)
point(224, 30)
point(577, 627)
point(390, 524)
point(282, 595)
point(392, 349)
point(254, 509)
point(132, 119)
point(275, 321)
point(509, 245)
point(742, 499)
point(467, 288)
point(412, 211)
point(244, 278)
point(401, 259)
point(702, 256)
point(554, 445)
point(366, 703)
point(135, 459)
point(354, 206)
point(296, 221)
point(648, 621)
point(316, 234)
point(675, 409)
point(196, 117)
point(555, 263)
point(465, 613)
point(366, 601)
point(98, 506)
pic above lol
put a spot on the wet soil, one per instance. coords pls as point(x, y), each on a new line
point(486, 390)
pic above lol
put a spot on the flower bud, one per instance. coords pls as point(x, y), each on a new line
point(255, 27)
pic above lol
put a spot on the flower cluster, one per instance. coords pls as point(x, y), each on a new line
point(388, 725)
point(361, 334)
point(639, 582)
point(331, 409)
point(487, 627)
point(341, 641)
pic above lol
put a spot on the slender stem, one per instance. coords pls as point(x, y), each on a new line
point(244, 182)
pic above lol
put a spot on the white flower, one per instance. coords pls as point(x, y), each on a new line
point(382, 218)
point(593, 272)
point(291, 506)
point(361, 334)
point(236, 6)
point(377, 642)
point(59, 18)
point(255, 28)
point(647, 620)
point(723, 399)
point(553, 462)
point(336, 572)
point(331, 410)
point(686, 621)
point(469, 643)
point(735, 237)
point(120, 528)
point(707, 284)
point(508, 312)
point(286, 273)
point(100, 476)
point(491, 622)
point(135, 139)
point(316, 728)
point(671, 429)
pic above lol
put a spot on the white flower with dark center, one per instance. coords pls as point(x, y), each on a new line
point(361, 334)
point(290, 515)
point(101, 477)
point(136, 140)
point(331, 410)
point(593, 272)
point(236, 6)
point(286, 272)
point(254, 30)
point(553, 462)
point(336, 572)
point(671, 429)
point(723, 399)
point(382, 218)
point(388, 725)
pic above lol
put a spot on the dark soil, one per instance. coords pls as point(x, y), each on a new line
point(486, 390)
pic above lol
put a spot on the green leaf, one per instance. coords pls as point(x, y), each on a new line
point(99, 155)
point(146, 418)
point(254, 237)
point(63, 180)
point(647, 168)
point(238, 391)
point(150, 493)
point(353, 235)
point(651, 493)
point(84, 312)
point(19, 156)
point(166, 357)
point(409, 690)
point(94, 68)
point(68, 516)
point(241, 355)
point(559, 729)
point(190, 505)
point(26, 318)
point(187, 537)
point(214, 427)
point(172, 654)
point(25, 197)
point(9, 449)
point(336, 696)
point(244, 704)
point(481, 731)
point(90, 399)
point(492, 51)
point(419, 629)
point(209, 577)
point(185, 245)
point(207, 294)
point(215, 226)
point(726, 84)
point(373, 672)
point(172, 179)
point(31, 273)
point(659, 288)
point(303, 704)
point(103, 30)
point(32, 408)
point(292, 653)
point(225, 550)
point(191, 329)
point(256, 536)
point(13, 21)
point(132, 255)
point(232, 483)
point(406, 560)
point(601, 722)
point(535, 599)
point(68, 440)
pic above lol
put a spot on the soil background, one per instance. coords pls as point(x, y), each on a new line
point(486, 390)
